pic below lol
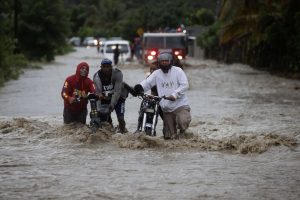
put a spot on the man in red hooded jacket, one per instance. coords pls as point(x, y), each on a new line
point(75, 87)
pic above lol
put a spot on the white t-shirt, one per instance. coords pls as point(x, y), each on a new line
point(173, 83)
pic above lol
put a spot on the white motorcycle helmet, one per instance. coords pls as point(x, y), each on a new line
point(165, 61)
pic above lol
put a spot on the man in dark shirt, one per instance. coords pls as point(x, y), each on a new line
point(110, 87)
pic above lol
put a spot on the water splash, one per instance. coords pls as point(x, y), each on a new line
point(81, 134)
point(242, 144)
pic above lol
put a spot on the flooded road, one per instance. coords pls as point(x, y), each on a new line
point(242, 143)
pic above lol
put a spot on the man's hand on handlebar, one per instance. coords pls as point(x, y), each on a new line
point(138, 89)
point(170, 98)
point(71, 100)
point(111, 108)
point(100, 96)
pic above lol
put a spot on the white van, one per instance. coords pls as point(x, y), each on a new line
point(125, 52)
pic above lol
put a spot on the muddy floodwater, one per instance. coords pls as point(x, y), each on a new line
point(243, 141)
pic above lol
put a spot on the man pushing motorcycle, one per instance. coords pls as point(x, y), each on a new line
point(75, 89)
point(110, 89)
point(171, 83)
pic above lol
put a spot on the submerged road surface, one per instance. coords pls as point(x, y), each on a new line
point(242, 142)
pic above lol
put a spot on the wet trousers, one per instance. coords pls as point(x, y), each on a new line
point(70, 117)
point(178, 119)
point(120, 112)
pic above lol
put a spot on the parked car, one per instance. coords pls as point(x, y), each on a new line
point(89, 41)
point(75, 41)
point(125, 53)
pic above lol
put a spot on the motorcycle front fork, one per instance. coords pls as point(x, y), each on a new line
point(95, 121)
point(149, 123)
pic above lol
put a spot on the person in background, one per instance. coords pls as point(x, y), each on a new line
point(171, 83)
point(110, 89)
point(75, 88)
point(176, 62)
point(98, 45)
point(138, 48)
point(116, 54)
point(132, 49)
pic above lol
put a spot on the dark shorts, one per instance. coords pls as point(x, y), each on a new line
point(70, 117)
point(120, 108)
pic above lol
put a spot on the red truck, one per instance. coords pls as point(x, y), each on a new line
point(154, 43)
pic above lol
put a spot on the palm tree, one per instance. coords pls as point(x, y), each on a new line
point(244, 25)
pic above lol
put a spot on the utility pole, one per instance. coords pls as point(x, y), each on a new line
point(218, 7)
point(16, 13)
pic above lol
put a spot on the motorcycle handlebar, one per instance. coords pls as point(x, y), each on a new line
point(89, 97)
point(149, 96)
point(92, 96)
point(134, 93)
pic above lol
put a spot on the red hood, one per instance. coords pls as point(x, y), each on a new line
point(79, 66)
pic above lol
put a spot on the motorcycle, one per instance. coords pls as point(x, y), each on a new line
point(148, 114)
point(98, 116)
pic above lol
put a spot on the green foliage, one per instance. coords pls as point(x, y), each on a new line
point(77, 15)
point(210, 38)
point(10, 63)
point(204, 17)
point(261, 33)
point(85, 31)
point(43, 28)
point(281, 35)
point(122, 18)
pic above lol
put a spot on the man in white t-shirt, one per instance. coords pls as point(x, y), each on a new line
point(171, 83)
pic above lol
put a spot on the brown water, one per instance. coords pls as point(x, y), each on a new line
point(242, 143)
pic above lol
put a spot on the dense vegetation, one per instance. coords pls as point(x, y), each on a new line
point(106, 18)
point(37, 33)
point(262, 33)
point(42, 27)
point(10, 62)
